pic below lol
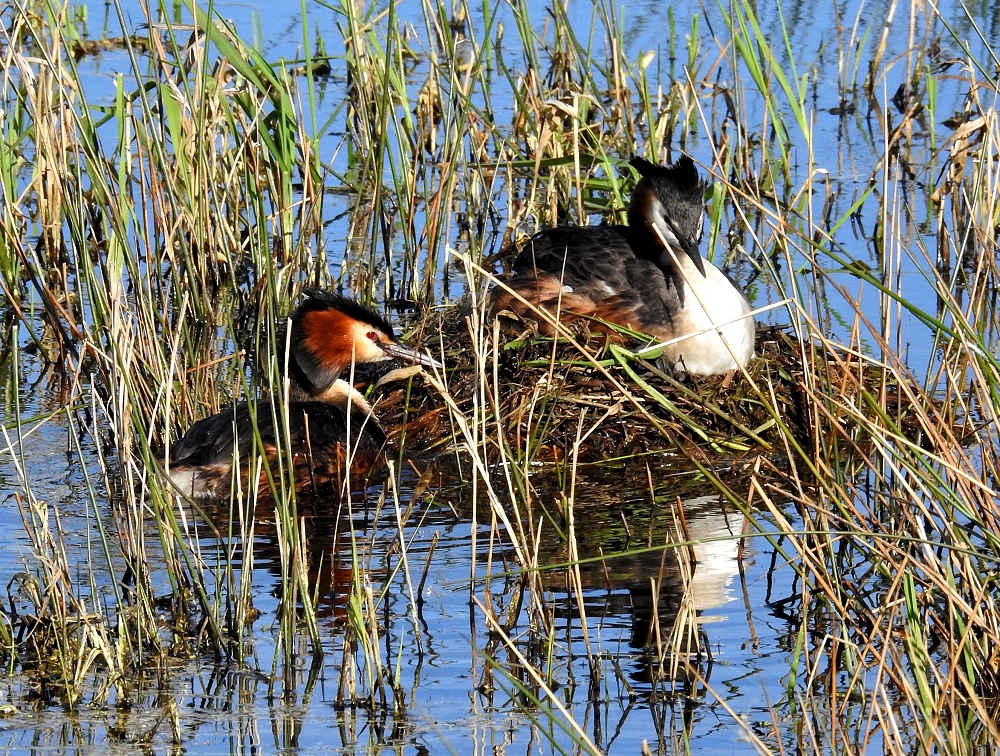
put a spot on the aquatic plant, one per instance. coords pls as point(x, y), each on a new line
point(153, 241)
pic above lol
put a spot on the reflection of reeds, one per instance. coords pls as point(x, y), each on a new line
point(164, 235)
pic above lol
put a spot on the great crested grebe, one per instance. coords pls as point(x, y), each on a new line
point(648, 276)
point(331, 428)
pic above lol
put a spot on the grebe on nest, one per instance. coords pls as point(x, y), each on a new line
point(331, 428)
point(648, 276)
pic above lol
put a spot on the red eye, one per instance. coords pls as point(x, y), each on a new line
point(373, 335)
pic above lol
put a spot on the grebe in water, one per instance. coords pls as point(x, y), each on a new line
point(332, 432)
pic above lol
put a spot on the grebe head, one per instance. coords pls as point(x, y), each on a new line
point(330, 332)
point(671, 200)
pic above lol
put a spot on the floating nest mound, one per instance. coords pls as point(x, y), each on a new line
point(540, 397)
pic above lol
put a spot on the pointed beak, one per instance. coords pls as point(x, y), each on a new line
point(409, 354)
point(694, 253)
point(677, 243)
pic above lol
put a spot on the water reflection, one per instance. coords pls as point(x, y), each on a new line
point(634, 583)
point(640, 608)
point(632, 592)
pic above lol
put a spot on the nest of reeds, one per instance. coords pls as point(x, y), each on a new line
point(547, 398)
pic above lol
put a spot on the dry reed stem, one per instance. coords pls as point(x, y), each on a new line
point(579, 736)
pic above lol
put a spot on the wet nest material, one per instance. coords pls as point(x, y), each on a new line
point(545, 396)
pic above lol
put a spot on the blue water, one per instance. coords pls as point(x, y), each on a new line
point(804, 39)
point(222, 708)
point(225, 708)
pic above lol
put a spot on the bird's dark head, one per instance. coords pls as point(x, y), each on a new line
point(669, 201)
point(330, 332)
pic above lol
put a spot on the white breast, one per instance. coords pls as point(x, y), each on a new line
point(719, 316)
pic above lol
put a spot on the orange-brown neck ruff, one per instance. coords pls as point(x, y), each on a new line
point(324, 344)
point(328, 337)
point(329, 331)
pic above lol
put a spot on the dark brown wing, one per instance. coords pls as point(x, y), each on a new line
point(592, 271)
point(318, 433)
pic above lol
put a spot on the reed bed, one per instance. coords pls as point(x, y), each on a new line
point(152, 244)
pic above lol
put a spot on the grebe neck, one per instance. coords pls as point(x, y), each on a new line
point(340, 393)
